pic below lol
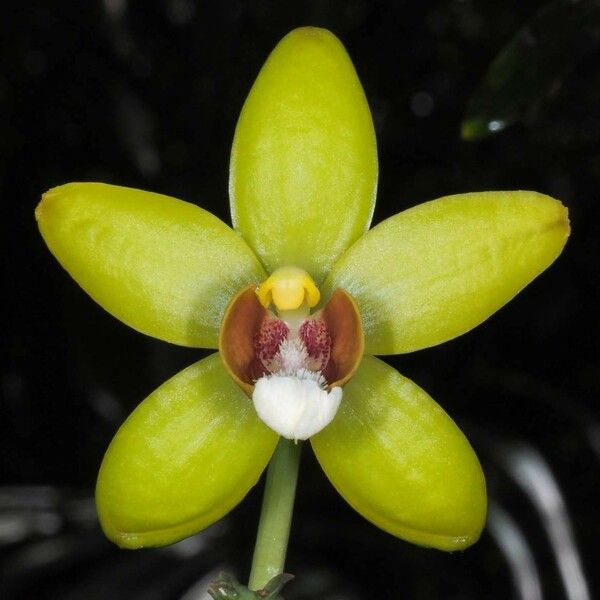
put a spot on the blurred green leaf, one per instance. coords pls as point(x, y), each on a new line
point(532, 65)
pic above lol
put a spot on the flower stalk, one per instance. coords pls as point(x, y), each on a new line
point(276, 514)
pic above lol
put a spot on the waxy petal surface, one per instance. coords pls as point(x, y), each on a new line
point(163, 266)
point(435, 271)
point(183, 459)
point(303, 170)
point(401, 462)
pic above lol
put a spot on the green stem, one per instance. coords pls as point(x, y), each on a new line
point(276, 514)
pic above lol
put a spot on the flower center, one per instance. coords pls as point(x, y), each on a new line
point(283, 345)
point(293, 363)
point(288, 289)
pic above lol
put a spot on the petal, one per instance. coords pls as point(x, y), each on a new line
point(183, 459)
point(304, 159)
point(435, 271)
point(295, 407)
point(163, 266)
point(401, 462)
point(344, 324)
point(249, 339)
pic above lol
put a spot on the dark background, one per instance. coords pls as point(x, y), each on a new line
point(146, 94)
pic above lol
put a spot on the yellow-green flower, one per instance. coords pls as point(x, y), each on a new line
point(302, 188)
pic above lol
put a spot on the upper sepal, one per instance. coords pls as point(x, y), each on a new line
point(303, 171)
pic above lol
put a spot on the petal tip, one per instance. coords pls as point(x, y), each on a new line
point(45, 200)
point(49, 198)
point(557, 216)
point(132, 540)
point(39, 209)
point(311, 33)
point(564, 218)
point(120, 538)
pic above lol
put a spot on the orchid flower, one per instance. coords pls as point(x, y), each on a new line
point(299, 296)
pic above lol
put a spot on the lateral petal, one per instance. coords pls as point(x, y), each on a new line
point(435, 271)
point(399, 460)
point(162, 266)
point(183, 459)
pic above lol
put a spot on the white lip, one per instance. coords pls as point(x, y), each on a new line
point(295, 406)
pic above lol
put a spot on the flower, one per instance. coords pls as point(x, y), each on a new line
point(302, 188)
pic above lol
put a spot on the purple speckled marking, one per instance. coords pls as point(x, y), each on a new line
point(316, 338)
point(267, 341)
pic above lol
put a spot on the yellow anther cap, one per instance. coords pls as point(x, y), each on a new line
point(288, 288)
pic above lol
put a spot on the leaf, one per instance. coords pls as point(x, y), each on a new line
point(227, 587)
point(532, 65)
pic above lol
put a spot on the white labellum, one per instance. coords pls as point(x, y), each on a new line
point(295, 405)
